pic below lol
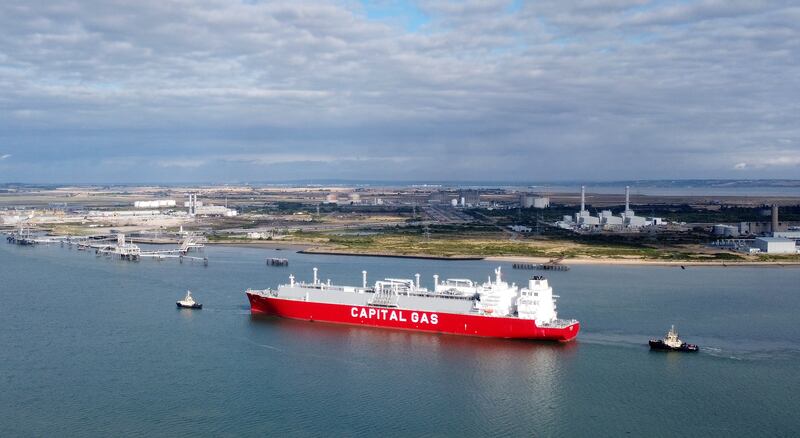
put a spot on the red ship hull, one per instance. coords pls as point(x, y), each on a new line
point(407, 319)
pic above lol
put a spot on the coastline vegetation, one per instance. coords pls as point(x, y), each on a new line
point(488, 245)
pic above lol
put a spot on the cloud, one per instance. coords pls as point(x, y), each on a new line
point(792, 161)
point(595, 89)
point(740, 166)
point(4, 156)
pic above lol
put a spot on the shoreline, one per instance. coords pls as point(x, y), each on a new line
point(310, 248)
point(642, 262)
point(265, 245)
point(399, 256)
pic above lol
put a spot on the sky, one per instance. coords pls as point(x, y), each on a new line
point(226, 91)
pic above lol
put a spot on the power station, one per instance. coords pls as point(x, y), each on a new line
point(606, 219)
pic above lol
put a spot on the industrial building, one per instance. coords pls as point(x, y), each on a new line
point(791, 234)
point(627, 219)
point(197, 208)
point(775, 245)
point(725, 230)
point(469, 198)
point(520, 228)
point(157, 203)
point(529, 201)
point(122, 213)
point(583, 218)
point(629, 216)
point(773, 226)
point(607, 218)
point(442, 197)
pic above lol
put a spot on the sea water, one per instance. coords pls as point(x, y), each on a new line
point(93, 346)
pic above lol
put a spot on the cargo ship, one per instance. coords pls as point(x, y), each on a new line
point(494, 308)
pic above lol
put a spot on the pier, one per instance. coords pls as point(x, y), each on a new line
point(541, 266)
point(125, 249)
point(552, 265)
point(22, 236)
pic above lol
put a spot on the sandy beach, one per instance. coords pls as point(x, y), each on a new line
point(310, 248)
point(640, 262)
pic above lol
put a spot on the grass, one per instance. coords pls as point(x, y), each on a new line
point(498, 244)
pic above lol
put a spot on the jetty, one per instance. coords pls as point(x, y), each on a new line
point(552, 265)
point(125, 249)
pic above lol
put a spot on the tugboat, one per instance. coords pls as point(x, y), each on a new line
point(672, 343)
point(188, 302)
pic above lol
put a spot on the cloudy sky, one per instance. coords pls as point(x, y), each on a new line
point(490, 90)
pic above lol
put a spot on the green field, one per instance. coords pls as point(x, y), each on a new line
point(498, 244)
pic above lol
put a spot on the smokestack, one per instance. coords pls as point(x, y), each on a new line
point(417, 277)
point(774, 218)
point(583, 198)
point(364, 279)
point(436, 280)
point(192, 204)
point(315, 275)
point(627, 198)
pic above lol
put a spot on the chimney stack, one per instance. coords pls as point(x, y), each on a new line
point(774, 227)
point(627, 198)
point(583, 198)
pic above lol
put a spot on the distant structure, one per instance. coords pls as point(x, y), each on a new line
point(766, 228)
point(469, 198)
point(192, 204)
point(775, 245)
point(629, 216)
point(520, 228)
point(583, 218)
point(606, 219)
point(628, 211)
point(157, 203)
point(197, 208)
point(774, 225)
point(725, 230)
point(527, 201)
point(442, 197)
